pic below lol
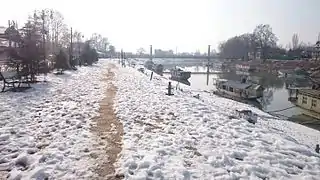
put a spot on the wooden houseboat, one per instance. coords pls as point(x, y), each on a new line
point(149, 64)
point(158, 68)
point(243, 89)
point(308, 100)
point(245, 67)
point(179, 75)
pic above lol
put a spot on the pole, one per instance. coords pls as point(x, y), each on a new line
point(43, 36)
point(208, 65)
point(71, 48)
point(150, 52)
point(121, 56)
point(79, 49)
point(9, 37)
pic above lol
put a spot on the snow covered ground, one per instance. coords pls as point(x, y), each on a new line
point(182, 137)
point(45, 131)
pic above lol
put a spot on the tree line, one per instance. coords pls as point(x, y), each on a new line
point(263, 42)
point(45, 37)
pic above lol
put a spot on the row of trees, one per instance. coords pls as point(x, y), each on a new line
point(45, 36)
point(263, 41)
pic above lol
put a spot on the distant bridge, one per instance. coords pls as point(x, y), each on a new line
point(173, 57)
point(211, 72)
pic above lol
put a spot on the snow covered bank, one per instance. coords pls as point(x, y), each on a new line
point(182, 137)
point(45, 131)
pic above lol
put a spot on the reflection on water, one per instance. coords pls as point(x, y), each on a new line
point(275, 94)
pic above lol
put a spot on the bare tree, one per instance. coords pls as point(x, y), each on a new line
point(295, 41)
point(141, 51)
point(235, 48)
point(112, 50)
point(266, 38)
point(64, 38)
point(54, 27)
point(99, 42)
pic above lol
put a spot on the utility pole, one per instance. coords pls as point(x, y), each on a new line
point(71, 49)
point(43, 35)
point(176, 51)
point(79, 48)
point(9, 37)
point(208, 72)
point(121, 56)
point(150, 52)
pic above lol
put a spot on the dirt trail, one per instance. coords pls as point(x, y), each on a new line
point(109, 131)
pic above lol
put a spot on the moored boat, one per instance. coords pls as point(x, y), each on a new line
point(179, 75)
point(243, 89)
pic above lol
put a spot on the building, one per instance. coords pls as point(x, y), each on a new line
point(163, 53)
point(246, 67)
point(309, 100)
point(316, 51)
point(9, 37)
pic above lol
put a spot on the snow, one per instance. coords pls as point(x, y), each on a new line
point(182, 137)
point(45, 131)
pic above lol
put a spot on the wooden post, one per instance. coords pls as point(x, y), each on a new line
point(151, 75)
point(150, 52)
point(169, 89)
point(208, 72)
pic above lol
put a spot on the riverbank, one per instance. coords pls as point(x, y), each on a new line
point(110, 122)
point(181, 136)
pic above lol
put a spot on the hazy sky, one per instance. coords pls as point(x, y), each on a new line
point(186, 24)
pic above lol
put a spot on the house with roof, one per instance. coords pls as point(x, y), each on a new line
point(309, 101)
point(316, 51)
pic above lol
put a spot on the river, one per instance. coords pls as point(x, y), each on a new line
point(275, 95)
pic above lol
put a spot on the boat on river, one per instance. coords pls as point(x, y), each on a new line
point(178, 74)
point(157, 68)
point(245, 92)
point(238, 89)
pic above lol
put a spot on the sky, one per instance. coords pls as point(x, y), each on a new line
point(187, 25)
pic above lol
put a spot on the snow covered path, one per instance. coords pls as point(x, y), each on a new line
point(182, 137)
point(45, 132)
point(108, 130)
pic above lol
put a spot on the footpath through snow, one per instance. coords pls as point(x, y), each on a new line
point(46, 132)
point(182, 137)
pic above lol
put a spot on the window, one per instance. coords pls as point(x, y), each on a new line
point(314, 103)
point(230, 89)
point(224, 87)
point(304, 100)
